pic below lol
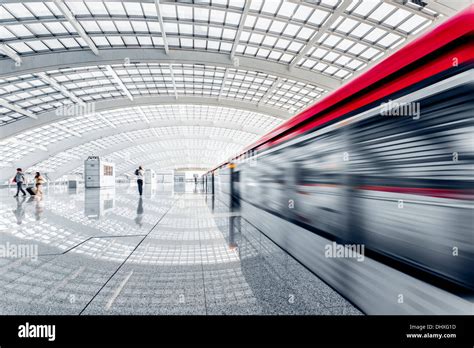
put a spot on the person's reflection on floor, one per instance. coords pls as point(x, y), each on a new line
point(19, 211)
point(139, 217)
point(39, 207)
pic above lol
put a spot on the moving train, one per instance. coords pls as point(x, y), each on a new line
point(385, 162)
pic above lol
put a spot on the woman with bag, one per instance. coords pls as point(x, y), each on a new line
point(39, 181)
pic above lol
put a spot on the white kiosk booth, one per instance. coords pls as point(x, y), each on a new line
point(150, 177)
point(98, 173)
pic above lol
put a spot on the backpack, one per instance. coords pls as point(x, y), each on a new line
point(136, 171)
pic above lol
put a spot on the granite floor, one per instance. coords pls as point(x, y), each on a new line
point(109, 252)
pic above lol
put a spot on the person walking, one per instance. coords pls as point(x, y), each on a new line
point(140, 173)
point(39, 181)
point(19, 179)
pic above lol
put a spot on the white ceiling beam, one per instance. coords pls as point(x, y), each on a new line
point(322, 30)
point(4, 49)
point(49, 80)
point(128, 137)
point(162, 26)
point(270, 91)
point(104, 120)
point(67, 130)
point(17, 109)
point(119, 82)
point(224, 80)
point(77, 26)
point(241, 28)
point(155, 132)
point(174, 82)
point(142, 115)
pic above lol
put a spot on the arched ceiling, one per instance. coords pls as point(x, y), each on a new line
point(178, 83)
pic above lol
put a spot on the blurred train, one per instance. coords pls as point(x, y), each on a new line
point(387, 162)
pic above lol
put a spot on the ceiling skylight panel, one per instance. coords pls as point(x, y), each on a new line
point(107, 26)
point(421, 27)
point(56, 28)
point(53, 44)
point(263, 24)
point(4, 14)
point(389, 40)
point(184, 12)
point(347, 25)
point(217, 16)
point(232, 18)
point(291, 30)
point(6, 34)
point(225, 46)
point(186, 29)
point(96, 8)
point(302, 13)
point(357, 48)
point(287, 9)
point(115, 8)
point(375, 35)
point(286, 57)
point(19, 30)
point(282, 44)
point(168, 11)
point(397, 17)
point(305, 33)
point(381, 12)
point(229, 34)
point(215, 32)
point(139, 26)
point(412, 23)
point(269, 40)
point(366, 7)
point(318, 17)
point(295, 46)
point(201, 14)
point(330, 57)
point(144, 41)
point(331, 41)
point(320, 66)
point(130, 40)
point(370, 53)
point(171, 28)
point(20, 11)
point(256, 38)
point(133, 9)
point(90, 26)
point(271, 7)
point(275, 55)
point(361, 30)
point(69, 43)
point(344, 44)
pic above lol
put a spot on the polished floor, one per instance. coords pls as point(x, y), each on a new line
point(171, 252)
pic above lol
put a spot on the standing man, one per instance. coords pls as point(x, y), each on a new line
point(19, 179)
point(140, 176)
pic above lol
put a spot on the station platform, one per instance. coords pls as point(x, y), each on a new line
point(87, 252)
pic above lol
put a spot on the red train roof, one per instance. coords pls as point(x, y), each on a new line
point(448, 31)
